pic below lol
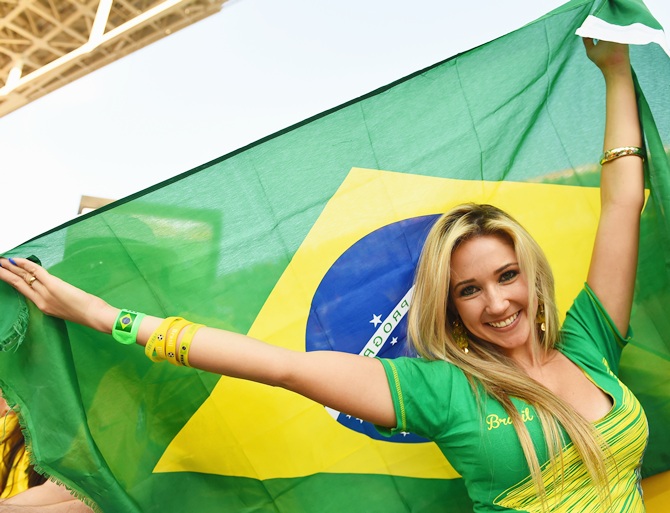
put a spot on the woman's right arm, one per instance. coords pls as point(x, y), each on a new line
point(353, 384)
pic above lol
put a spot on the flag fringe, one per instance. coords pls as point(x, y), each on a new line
point(76, 494)
point(18, 329)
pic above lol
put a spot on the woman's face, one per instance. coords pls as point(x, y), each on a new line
point(490, 293)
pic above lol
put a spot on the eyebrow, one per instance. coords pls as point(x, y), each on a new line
point(497, 271)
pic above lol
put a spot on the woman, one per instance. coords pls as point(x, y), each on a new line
point(484, 319)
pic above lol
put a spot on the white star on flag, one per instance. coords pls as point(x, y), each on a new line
point(376, 320)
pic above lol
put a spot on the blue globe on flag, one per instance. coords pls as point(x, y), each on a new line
point(361, 304)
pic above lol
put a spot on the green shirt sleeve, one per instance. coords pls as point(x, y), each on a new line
point(421, 392)
point(587, 324)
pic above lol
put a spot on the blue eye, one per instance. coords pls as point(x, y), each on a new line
point(509, 275)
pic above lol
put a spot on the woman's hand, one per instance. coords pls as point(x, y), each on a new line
point(609, 57)
point(55, 297)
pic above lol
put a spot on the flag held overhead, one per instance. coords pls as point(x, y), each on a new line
point(624, 21)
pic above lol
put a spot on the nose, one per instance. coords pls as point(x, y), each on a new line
point(497, 302)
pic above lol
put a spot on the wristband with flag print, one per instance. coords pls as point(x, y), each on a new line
point(126, 326)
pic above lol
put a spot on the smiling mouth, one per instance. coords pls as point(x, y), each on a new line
point(504, 323)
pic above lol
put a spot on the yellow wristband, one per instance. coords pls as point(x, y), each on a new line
point(185, 344)
point(171, 340)
point(156, 342)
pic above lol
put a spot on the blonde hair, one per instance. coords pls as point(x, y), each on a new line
point(485, 365)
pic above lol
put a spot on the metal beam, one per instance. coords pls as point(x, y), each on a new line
point(65, 39)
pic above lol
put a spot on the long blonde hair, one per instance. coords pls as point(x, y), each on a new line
point(430, 330)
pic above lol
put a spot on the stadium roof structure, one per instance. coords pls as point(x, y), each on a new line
point(45, 44)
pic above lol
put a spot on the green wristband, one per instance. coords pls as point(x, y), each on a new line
point(126, 326)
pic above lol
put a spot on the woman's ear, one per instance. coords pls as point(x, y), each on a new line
point(452, 313)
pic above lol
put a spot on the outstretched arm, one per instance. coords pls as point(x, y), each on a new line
point(614, 260)
point(330, 378)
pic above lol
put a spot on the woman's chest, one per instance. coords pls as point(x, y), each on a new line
point(589, 391)
point(483, 445)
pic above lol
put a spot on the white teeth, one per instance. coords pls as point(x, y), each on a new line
point(506, 322)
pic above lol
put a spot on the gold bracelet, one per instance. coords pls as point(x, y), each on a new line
point(624, 151)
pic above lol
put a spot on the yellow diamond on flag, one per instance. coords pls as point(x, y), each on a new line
point(250, 430)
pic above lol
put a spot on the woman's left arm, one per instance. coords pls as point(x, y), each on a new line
point(614, 260)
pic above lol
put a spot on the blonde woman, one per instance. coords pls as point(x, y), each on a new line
point(533, 417)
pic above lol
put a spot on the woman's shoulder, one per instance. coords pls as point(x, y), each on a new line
point(589, 328)
point(418, 370)
point(419, 362)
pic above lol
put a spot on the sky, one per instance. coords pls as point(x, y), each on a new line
point(246, 72)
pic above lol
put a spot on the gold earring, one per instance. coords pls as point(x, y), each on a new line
point(540, 319)
point(460, 336)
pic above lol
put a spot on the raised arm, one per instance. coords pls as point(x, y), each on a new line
point(330, 378)
point(614, 260)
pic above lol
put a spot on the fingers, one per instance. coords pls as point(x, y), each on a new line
point(22, 274)
point(21, 263)
point(56, 297)
point(34, 282)
point(589, 44)
point(23, 267)
point(611, 58)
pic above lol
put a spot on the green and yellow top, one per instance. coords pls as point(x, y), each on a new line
point(434, 399)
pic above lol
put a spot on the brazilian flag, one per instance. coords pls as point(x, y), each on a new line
point(308, 239)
